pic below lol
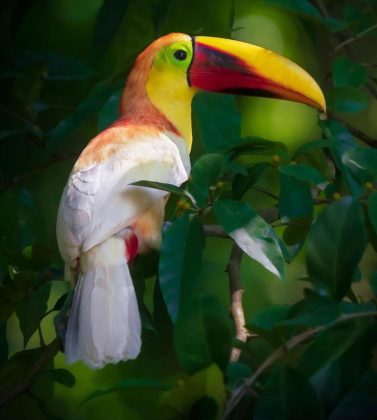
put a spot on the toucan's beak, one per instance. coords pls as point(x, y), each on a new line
point(225, 65)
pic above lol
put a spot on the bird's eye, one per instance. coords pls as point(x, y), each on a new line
point(180, 55)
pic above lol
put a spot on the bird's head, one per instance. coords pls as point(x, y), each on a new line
point(174, 67)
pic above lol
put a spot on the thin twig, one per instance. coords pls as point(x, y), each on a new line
point(47, 355)
point(354, 38)
point(281, 351)
point(265, 192)
point(215, 230)
point(236, 307)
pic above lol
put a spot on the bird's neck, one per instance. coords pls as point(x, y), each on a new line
point(164, 102)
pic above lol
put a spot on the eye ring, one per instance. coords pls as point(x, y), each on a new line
point(180, 55)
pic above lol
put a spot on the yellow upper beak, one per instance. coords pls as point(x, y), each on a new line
point(224, 65)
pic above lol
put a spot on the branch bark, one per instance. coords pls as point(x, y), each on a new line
point(48, 354)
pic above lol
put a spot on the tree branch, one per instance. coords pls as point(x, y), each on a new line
point(354, 38)
point(236, 292)
point(47, 355)
point(238, 393)
point(215, 230)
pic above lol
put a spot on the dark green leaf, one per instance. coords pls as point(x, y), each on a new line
point(360, 400)
point(362, 158)
point(312, 146)
point(196, 335)
point(348, 73)
point(303, 173)
point(295, 199)
point(258, 146)
point(270, 318)
point(288, 395)
point(180, 262)
point(204, 174)
point(311, 312)
point(330, 344)
point(373, 282)
point(218, 119)
point(187, 399)
point(251, 233)
point(236, 372)
point(110, 111)
point(30, 311)
point(372, 210)
point(242, 183)
point(347, 99)
point(107, 24)
point(129, 384)
point(60, 376)
point(4, 350)
point(302, 7)
point(161, 186)
point(336, 243)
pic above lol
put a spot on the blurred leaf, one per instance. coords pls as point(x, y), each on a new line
point(251, 233)
point(4, 349)
point(31, 310)
point(183, 402)
point(312, 146)
point(236, 372)
point(269, 318)
point(329, 345)
point(204, 174)
point(373, 282)
point(348, 73)
point(39, 254)
point(363, 158)
point(258, 146)
point(347, 99)
point(360, 400)
point(288, 395)
point(180, 262)
point(303, 173)
point(97, 97)
point(110, 111)
point(335, 25)
point(61, 376)
point(301, 7)
point(311, 312)
point(372, 210)
point(241, 183)
point(196, 334)
point(295, 198)
point(57, 66)
point(218, 119)
point(108, 21)
point(127, 384)
point(336, 243)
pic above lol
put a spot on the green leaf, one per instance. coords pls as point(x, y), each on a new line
point(251, 233)
point(222, 109)
point(161, 186)
point(373, 282)
point(329, 345)
point(288, 395)
point(347, 99)
point(108, 21)
point(180, 262)
point(270, 318)
point(236, 372)
point(257, 146)
point(348, 73)
point(110, 111)
point(187, 398)
point(372, 210)
point(30, 311)
point(197, 340)
point(129, 384)
point(336, 244)
point(362, 158)
point(97, 97)
point(60, 376)
point(295, 199)
point(241, 183)
point(303, 173)
point(312, 311)
point(361, 399)
point(301, 7)
point(312, 146)
point(204, 174)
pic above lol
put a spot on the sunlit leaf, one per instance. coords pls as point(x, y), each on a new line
point(196, 335)
point(332, 256)
point(180, 262)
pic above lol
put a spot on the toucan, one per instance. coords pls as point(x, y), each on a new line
point(104, 221)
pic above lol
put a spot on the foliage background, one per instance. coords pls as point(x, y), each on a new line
point(63, 65)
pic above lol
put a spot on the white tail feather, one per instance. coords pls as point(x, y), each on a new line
point(104, 324)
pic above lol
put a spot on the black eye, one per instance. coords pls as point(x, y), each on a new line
point(180, 55)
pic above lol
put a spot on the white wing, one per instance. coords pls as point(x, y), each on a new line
point(98, 201)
